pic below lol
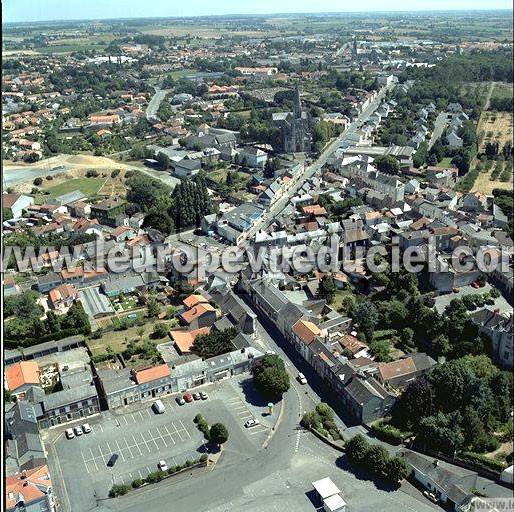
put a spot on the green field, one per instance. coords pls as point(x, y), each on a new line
point(88, 186)
point(445, 162)
point(69, 48)
point(181, 73)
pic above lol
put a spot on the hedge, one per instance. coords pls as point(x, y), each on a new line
point(53, 336)
point(482, 460)
point(389, 433)
point(155, 476)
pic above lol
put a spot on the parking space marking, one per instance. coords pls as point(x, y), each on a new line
point(120, 450)
point(93, 459)
point(144, 440)
point(84, 459)
point(257, 431)
point(170, 434)
point(153, 439)
point(185, 430)
point(136, 445)
point(128, 447)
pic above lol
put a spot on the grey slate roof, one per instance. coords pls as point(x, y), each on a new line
point(68, 396)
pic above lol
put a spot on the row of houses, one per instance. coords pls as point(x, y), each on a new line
point(363, 386)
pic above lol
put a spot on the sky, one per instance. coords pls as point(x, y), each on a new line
point(43, 10)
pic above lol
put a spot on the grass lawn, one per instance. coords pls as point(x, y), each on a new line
point(340, 296)
point(118, 340)
point(445, 162)
point(181, 73)
point(88, 186)
point(127, 304)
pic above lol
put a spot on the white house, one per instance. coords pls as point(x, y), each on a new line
point(449, 488)
point(253, 157)
point(16, 203)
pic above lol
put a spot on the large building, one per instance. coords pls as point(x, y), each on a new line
point(294, 127)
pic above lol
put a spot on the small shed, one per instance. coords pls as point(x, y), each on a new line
point(334, 503)
point(506, 475)
point(325, 488)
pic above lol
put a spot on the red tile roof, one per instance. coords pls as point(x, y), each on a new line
point(28, 486)
point(184, 339)
point(151, 373)
point(306, 331)
point(24, 372)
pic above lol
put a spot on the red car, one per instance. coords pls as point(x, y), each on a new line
point(475, 285)
point(188, 398)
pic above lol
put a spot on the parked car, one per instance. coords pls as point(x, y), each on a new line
point(251, 423)
point(431, 496)
point(158, 407)
point(301, 378)
point(78, 431)
point(162, 465)
point(197, 396)
point(474, 284)
point(112, 460)
point(180, 400)
point(188, 398)
point(86, 428)
point(270, 353)
point(455, 290)
point(204, 395)
point(69, 433)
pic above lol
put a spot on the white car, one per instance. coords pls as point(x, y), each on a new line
point(69, 433)
point(162, 465)
point(86, 428)
point(78, 431)
point(251, 423)
point(302, 379)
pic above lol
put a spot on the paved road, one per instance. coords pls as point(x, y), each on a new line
point(15, 175)
point(153, 106)
point(439, 127)
point(314, 167)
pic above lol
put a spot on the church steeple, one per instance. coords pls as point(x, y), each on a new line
point(297, 103)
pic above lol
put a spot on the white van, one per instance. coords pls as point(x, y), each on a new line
point(302, 379)
point(158, 407)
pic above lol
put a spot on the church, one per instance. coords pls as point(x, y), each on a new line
point(294, 127)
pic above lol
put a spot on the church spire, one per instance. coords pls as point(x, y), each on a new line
point(297, 103)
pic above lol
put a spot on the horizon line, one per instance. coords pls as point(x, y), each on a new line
point(305, 13)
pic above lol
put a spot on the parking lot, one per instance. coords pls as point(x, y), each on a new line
point(135, 446)
point(141, 438)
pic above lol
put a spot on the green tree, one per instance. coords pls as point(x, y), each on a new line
point(218, 434)
point(396, 469)
point(357, 449)
point(163, 160)
point(327, 289)
point(152, 307)
point(159, 220)
point(160, 330)
point(387, 164)
point(270, 376)
point(215, 343)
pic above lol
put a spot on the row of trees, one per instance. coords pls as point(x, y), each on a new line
point(28, 328)
point(215, 343)
point(165, 210)
point(375, 459)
